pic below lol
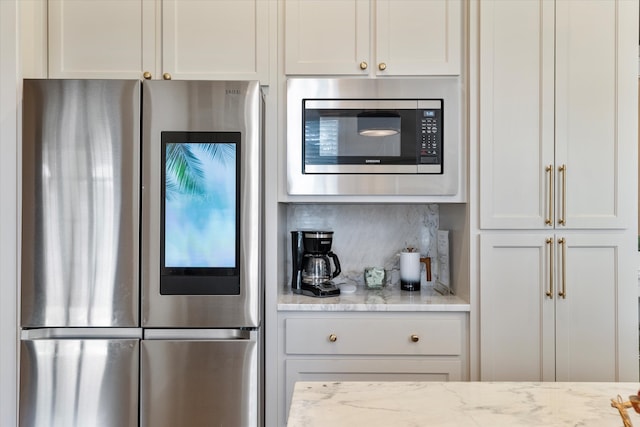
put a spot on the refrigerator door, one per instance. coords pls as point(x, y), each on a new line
point(79, 382)
point(200, 382)
point(80, 192)
point(198, 110)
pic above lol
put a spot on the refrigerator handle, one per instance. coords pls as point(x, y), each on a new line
point(200, 334)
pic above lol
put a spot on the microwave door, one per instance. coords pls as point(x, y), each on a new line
point(358, 136)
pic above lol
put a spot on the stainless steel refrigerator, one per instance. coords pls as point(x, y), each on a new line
point(141, 295)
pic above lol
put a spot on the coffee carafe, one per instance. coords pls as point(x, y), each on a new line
point(311, 258)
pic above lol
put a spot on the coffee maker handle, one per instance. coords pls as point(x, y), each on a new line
point(336, 262)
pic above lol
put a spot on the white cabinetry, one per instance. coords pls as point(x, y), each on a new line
point(554, 130)
point(180, 39)
point(222, 39)
point(550, 307)
point(101, 38)
point(373, 37)
point(557, 150)
point(372, 346)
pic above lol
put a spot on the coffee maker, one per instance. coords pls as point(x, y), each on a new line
point(311, 265)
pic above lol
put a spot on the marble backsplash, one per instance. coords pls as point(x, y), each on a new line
point(368, 235)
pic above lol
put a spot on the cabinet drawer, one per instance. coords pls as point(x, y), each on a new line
point(440, 336)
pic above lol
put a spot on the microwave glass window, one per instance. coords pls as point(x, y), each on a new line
point(328, 131)
point(330, 137)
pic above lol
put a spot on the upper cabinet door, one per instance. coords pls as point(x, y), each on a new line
point(373, 37)
point(222, 39)
point(326, 36)
point(418, 37)
point(558, 88)
point(596, 89)
point(516, 113)
point(101, 38)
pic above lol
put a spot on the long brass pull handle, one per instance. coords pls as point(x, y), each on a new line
point(549, 293)
point(563, 217)
point(563, 293)
point(549, 219)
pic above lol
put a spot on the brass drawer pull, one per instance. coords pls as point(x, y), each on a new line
point(333, 338)
point(415, 338)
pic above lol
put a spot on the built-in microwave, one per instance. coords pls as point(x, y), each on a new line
point(373, 136)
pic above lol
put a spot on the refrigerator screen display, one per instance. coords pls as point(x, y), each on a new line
point(200, 213)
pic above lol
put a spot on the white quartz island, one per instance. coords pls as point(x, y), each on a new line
point(458, 404)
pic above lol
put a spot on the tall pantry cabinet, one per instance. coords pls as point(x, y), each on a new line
point(557, 148)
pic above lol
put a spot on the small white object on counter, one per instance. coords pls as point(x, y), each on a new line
point(347, 288)
point(455, 404)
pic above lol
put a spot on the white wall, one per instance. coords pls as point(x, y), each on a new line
point(8, 211)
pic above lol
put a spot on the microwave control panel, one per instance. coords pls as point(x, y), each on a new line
point(430, 137)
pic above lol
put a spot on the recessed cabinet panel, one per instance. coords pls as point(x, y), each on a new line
point(326, 36)
point(516, 144)
point(517, 333)
point(215, 39)
point(590, 283)
point(588, 116)
point(101, 38)
point(418, 37)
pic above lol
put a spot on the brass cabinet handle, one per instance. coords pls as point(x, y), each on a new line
point(549, 293)
point(549, 219)
point(563, 293)
point(166, 76)
point(333, 338)
point(382, 66)
point(146, 75)
point(363, 65)
point(415, 338)
point(563, 217)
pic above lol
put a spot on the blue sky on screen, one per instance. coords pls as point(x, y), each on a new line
point(201, 228)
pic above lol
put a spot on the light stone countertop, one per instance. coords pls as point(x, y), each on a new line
point(388, 298)
point(458, 404)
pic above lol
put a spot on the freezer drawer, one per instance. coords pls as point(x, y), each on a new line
point(199, 383)
point(79, 382)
